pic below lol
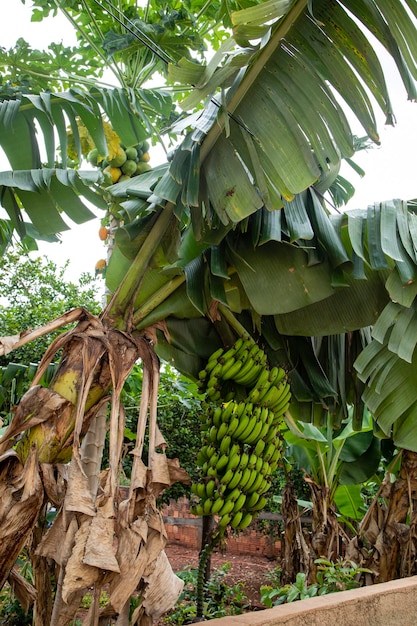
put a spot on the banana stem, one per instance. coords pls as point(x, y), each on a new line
point(157, 298)
point(201, 575)
point(233, 322)
point(119, 307)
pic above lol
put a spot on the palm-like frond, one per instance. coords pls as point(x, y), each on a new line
point(34, 131)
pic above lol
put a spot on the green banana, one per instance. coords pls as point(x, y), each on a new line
point(210, 450)
point(266, 469)
point(210, 487)
point(216, 355)
point(269, 452)
point(264, 431)
point(264, 415)
point(234, 480)
point(235, 348)
point(260, 447)
point(234, 461)
point(254, 395)
point(226, 411)
point(245, 521)
point(236, 519)
point(256, 484)
point(213, 393)
point(279, 407)
point(213, 460)
point(207, 507)
point(260, 504)
point(222, 431)
point(244, 421)
point(226, 508)
point(222, 463)
point(233, 495)
point(229, 373)
point(216, 506)
point(227, 366)
point(264, 486)
point(255, 434)
point(252, 500)
point(246, 432)
point(233, 424)
point(227, 477)
point(253, 477)
point(271, 435)
point(211, 471)
point(251, 368)
point(216, 416)
point(273, 396)
point(252, 460)
point(225, 444)
point(239, 503)
point(244, 460)
point(197, 509)
point(246, 476)
point(225, 520)
point(259, 464)
point(276, 455)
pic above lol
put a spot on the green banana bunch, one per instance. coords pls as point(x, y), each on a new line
point(241, 445)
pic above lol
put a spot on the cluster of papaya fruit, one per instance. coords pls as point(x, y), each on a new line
point(125, 164)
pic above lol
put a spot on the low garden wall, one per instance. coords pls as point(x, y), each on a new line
point(385, 604)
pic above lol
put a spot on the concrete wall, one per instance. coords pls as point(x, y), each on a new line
point(386, 604)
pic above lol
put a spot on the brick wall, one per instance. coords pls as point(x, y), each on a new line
point(183, 528)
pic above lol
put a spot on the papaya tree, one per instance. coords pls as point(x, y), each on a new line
point(231, 238)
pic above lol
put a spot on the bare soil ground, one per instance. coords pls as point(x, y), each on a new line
point(251, 570)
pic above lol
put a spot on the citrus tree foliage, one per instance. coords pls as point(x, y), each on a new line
point(34, 291)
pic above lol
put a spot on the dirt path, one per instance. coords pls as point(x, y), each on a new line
point(251, 570)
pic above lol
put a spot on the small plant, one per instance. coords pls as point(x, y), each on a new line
point(221, 599)
point(338, 576)
point(331, 577)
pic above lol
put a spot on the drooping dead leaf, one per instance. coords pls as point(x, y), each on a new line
point(57, 543)
point(53, 484)
point(166, 472)
point(132, 558)
point(138, 479)
point(21, 498)
point(160, 443)
point(23, 590)
point(162, 589)
point(176, 473)
point(78, 575)
point(78, 497)
point(100, 549)
point(38, 405)
point(7, 344)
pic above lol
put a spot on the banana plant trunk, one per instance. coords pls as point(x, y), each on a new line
point(45, 425)
point(386, 542)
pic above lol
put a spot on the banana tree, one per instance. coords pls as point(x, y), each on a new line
point(231, 236)
point(335, 464)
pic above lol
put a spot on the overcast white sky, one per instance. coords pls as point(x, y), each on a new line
point(391, 170)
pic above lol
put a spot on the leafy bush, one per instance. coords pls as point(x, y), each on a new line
point(331, 577)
